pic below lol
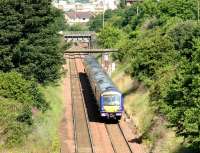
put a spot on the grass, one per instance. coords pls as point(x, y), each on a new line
point(152, 127)
point(45, 135)
point(136, 101)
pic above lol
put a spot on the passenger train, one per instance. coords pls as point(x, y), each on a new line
point(109, 98)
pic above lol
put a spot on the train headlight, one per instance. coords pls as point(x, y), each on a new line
point(118, 114)
point(103, 114)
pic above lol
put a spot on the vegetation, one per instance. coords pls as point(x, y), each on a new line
point(76, 27)
point(96, 23)
point(45, 136)
point(109, 36)
point(30, 53)
point(161, 49)
point(18, 98)
point(29, 39)
point(82, 1)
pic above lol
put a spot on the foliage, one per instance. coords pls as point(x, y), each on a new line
point(122, 4)
point(162, 50)
point(163, 10)
point(183, 35)
point(109, 36)
point(96, 23)
point(29, 39)
point(17, 98)
point(124, 47)
point(82, 1)
point(187, 10)
point(76, 27)
point(149, 54)
point(30, 52)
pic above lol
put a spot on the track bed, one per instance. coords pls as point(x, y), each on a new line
point(83, 141)
point(91, 133)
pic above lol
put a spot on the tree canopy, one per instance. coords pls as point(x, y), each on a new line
point(30, 53)
point(17, 99)
point(161, 48)
point(29, 38)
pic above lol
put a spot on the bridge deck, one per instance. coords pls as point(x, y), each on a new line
point(79, 34)
point(91, 50)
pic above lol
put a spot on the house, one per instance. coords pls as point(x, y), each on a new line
point(77, 17)
point(81, 12)
point(130, 2)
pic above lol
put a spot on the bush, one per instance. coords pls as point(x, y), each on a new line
point(163, 51)
point(17, 99)
point(110, 36)
point(29, 39)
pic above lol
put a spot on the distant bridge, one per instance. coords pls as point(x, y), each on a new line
point(76, 34)
point(91, 50)
point(84, 36)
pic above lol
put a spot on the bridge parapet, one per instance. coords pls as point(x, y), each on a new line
point(91, 50)
point(78, 34)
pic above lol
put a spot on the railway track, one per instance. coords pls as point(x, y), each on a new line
point(112, 139)
point(117, 138)
point(82, 136)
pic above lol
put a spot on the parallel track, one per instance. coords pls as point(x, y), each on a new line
point(117, 138)
point(82, 136)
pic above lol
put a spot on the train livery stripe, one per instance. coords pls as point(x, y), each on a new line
point(111, 109)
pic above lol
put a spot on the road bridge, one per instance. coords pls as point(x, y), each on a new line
point(83, 36)
point(78, 34)
point(95, 50)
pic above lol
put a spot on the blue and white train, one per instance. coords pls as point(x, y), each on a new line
point(109, 98)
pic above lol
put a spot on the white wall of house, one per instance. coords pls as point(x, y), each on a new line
point(95, 6)
point(77, 20)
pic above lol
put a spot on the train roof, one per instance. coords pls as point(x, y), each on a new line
point(99, 75)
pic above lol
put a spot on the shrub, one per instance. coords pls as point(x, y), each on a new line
point(17, 99)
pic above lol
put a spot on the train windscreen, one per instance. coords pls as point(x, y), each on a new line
point(111, 100)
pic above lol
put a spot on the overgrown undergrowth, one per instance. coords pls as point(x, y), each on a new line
point(45, 135)
point(152, 128)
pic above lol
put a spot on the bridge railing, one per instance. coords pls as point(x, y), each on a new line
point(91, 50)
point(79, 33)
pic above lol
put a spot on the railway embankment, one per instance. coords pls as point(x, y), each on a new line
point(150, 129)
point(45, 135)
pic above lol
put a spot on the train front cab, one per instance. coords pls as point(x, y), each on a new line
point(111, 105)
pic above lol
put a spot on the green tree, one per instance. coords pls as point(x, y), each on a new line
point(17, 99)
point(29, 38)
point(184, 9)
point(82, 1)
point(122, 4)
point(149, 54)
point(181, 103)
point(183, 36)
point(96, 23)
point(161, 48)
point(109, 36)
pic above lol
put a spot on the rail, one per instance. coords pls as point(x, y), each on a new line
point(73, 111)
point(117, 139)
point(125, 138)
point(86, 116)
point(82, 136)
